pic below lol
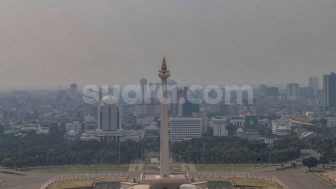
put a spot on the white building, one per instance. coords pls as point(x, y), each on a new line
point(109, 120)
point(238, 122)
point(185, 128)
point(293, 91)
point(331, 121)
point(281, 127)
point(204, 117)
point(109, 114)
point(74, 126)
point(73, 90)
point(270, 140)
point(219, 126)
point(133, 135)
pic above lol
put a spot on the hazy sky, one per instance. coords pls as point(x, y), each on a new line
point(205, 42)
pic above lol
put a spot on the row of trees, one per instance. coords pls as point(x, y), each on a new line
point(52, 149)
point(236, 150)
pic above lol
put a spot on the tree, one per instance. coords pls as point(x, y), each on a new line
point(310, 162)
point(231, 129)
point(2, 129)
point(324, 160)
point(7, 162)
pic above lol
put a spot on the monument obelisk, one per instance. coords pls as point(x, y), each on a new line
point(164, 141)
point(165, 180)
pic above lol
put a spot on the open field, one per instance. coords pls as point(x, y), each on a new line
point(149, 155)
point(12, 173)
point(245, 181)
point(323, 179)
point(228, 167)
point(78, 183)
point(175, 167)
point(2, 181)
point(80, 169)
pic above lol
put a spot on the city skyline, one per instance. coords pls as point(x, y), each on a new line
point(230, 42)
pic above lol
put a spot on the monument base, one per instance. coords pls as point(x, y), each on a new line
point(174, 181)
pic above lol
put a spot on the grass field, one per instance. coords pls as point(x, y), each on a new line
point(187, 167)
point(12, 173)
point(78, 183)
point(2, 181)
point(323, 179)
point(230, 167)
point(149, 155)
point(81, 169)
point(246, 182)
point(149, 167)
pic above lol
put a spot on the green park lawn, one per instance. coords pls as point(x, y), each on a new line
point(2, 181)
point(323, 179)
point(150, 167)
point(149, 155)
point(246, 182)
point(12, 173)
point(80, 169)
point(78, 183)
point(228, 167)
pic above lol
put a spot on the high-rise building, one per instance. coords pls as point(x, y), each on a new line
point(307, 91)
point(109, 116)
point(109, 120)
point(293, 91)
point(190, 107)
point(219, 126)
point(143, 84)
point(185, 128)
point(151, 108)
point(175, 105)
point(73, 90)
point(329, 90)
point(314, 82)
point(272, 91)
point(204, 117)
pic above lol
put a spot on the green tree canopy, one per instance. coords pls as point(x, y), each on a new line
point(310, 162)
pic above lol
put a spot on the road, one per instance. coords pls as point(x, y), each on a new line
point(30, 181)
point(294, 178)
point(298, 179)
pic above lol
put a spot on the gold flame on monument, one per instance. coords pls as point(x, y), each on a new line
point(164, 65)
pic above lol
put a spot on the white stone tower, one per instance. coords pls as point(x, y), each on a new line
point(164, 140)
point(165, 180)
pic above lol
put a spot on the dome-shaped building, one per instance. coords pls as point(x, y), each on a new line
point(109, 99)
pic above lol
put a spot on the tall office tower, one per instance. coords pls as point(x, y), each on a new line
point(109, 114)
point(329, 90)
point(172, 82)
point(151, 88)
point(190, 107)
point(307, 91)
point(272, 91)
point(143, 84)
point(73, 90)
point(219, 126)
point(314, 82)
point(293, 91)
